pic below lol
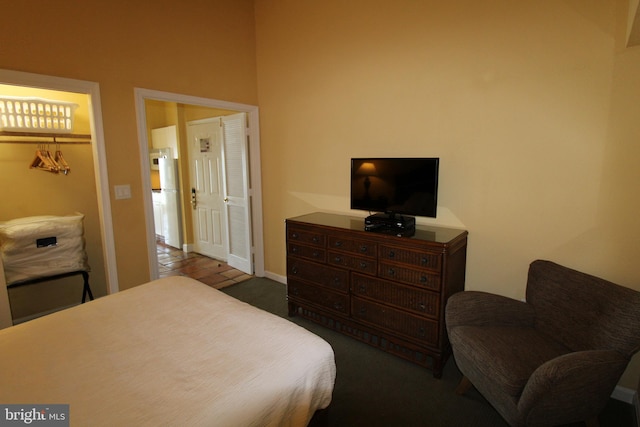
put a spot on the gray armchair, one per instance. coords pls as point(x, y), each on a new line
point(554, 359)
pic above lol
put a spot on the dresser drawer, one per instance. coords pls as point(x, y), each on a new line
point(421, 259)
point(419, 301)
point(305, 235)
point(399, 322)
point(349, 244)
point(314, 253)
point(362, 264)
point(334, 278)
point(410, 276)
point(315, 295)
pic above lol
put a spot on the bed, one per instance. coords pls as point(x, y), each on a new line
point(170, 352)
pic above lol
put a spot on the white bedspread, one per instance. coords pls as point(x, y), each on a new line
point(172, 352)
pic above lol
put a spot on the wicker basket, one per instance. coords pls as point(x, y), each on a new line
point(36, 115)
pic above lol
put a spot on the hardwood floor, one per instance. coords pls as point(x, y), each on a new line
point(217, 274)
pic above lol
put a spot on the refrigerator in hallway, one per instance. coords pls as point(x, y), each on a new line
point(170, 196)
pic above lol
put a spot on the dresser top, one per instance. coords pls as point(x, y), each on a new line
point(423, 232)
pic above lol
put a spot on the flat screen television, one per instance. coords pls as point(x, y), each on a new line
point(406, 186)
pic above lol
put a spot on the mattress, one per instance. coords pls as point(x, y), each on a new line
point(170, 352)
point(42, 246)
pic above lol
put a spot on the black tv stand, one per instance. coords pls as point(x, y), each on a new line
point(390, 223)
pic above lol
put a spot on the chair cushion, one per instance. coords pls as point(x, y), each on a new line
point(505, 356)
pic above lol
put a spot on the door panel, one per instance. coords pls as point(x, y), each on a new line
point(205, 161)
point(237, 202)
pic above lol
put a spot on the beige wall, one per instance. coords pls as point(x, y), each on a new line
point(30, 192)
point(531, 106)
point(203, 48)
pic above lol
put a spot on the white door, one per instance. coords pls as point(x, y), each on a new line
point(236, 191)
point(206, 172)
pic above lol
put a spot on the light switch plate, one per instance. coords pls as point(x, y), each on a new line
point(122, 191)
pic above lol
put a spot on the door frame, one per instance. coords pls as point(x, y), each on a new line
point(92, 89)
point(255, 192)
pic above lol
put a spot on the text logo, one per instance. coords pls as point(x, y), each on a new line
point(34, 415)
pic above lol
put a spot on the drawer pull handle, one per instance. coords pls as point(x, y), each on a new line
point(422, 332)
point(294, 235)
point(316, 254)
point(294, 250)
point(337, 306)
point(294, 270)
point(362, 311)
point(423, 279)
point(315, 239)
point(337, 280)
point(392, 272)
point(363, 289)
point(338, 243)
point(295, 291)
point(425, 260)
point(363, 265)
point(422, 306)
point(392, 254)
point(363, 249)
point(338, 260)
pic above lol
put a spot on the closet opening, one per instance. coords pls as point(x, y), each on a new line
point(49, 173)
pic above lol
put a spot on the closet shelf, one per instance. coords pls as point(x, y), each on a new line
point(43, 138)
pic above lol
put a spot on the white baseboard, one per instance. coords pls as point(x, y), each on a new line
point(630, 396)
point(636, 404)
point(625, 395)
point(276, 277)
point(187, 247)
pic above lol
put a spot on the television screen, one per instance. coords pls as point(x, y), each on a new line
point(407, 186)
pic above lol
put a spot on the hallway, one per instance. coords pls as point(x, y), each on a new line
point(217, 274)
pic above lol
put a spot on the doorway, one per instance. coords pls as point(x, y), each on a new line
point(253, 186)
point(164, 161)
point(104, 227)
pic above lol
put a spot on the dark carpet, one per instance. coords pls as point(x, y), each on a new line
point(374, 388)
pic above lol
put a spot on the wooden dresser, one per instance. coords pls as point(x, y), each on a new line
point(387, 291)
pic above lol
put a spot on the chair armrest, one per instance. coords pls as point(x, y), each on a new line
point(572, 387)
point(474, 308)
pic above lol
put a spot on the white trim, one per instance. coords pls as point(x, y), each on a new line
point(143, 147)
point(276, 277)
point(6, 318)
point(624, 394)
point(636, 404)
point(254, 166)
point(99, 155)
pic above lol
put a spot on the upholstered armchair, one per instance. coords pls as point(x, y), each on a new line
point(554, 359)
